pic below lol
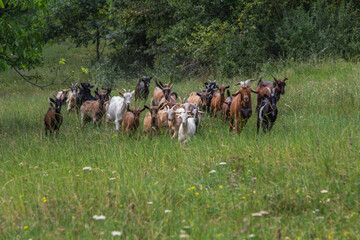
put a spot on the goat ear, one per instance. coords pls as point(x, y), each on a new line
point(132, 92)
point(228, 86)
point(146, 107)
point(286, 79)
point(235, 94)
point(121, 94)
point(254, 91)
point(275, 79)
point(199, 94)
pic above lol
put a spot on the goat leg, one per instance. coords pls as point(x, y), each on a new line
point(117, 123)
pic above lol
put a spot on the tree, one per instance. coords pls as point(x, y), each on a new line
point(84, 21)
point(21, 38)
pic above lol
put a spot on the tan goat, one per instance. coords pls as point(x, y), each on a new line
point(93, 110)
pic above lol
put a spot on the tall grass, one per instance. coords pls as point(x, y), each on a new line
point(314, 146)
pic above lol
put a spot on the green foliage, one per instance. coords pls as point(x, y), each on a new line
point(225, 37)
point(82, 20)
point(21, 33)
point(321, 30)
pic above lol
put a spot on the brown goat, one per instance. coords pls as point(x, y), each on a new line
point(226, 106)
point(150, 120)
point(194, 98)
point(53, 118)
point(162, 93)
point(240, 109)
point(218, 99)
point(278, 84)
point(131, 120)
point(93, 110)
point(106, 92)
point(204, 99)
point(162, 119)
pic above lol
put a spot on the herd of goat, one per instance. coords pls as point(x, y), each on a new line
point(180, 118)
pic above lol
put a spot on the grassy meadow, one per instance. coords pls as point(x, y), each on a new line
point(304, 174)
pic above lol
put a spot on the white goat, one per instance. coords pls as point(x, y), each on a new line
point(187, 128)
point(197, 115)
point(117, 108)
point(71, 101)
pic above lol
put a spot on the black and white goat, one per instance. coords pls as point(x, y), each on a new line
point(267, 111)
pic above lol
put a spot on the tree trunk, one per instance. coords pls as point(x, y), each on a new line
point(97, 45)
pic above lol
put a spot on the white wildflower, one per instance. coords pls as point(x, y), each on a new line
point(100, 217)
point(116, 233)
point(87, 168)
point(259, 214)
point(212, 171)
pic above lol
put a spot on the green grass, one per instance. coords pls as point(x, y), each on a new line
point(314, 146)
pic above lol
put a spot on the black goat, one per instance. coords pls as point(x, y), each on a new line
point(142, 89)
point(210, 90)
point(84, 94)
point(53, 118)
point(267, 111)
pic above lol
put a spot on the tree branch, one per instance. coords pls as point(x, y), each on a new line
point(27, 80)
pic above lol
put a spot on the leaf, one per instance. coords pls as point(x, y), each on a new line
point(1, 4)
point(3, 64)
